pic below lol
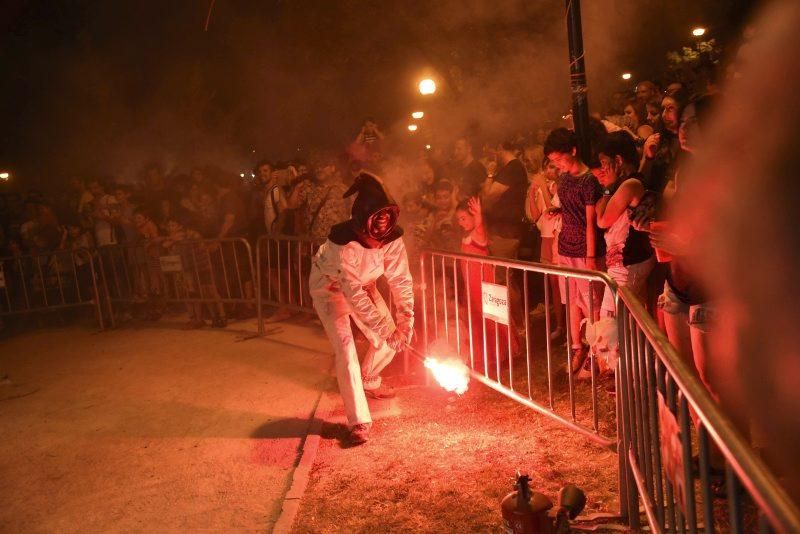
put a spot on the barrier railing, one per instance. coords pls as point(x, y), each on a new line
point(52, 281)
point(283, 266)
point(457, 311)
point(666, 415)
point(208, 271)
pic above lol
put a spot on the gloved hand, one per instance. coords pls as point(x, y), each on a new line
point(401, 337)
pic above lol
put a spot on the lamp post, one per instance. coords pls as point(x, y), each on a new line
point(577, 75)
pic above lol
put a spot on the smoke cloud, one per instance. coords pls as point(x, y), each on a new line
point(105, 87)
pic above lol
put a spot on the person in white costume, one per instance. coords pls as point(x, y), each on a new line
point(343, 280)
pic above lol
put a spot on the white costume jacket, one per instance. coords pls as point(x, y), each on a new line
point(343, 280)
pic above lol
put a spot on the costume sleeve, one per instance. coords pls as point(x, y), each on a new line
point(395, 268)
point(360, 301)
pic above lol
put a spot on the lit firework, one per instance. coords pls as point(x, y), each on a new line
point(451, 374)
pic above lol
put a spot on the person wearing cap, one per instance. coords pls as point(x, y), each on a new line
point(342, 284)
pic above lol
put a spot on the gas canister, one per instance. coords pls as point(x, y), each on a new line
point(525, 512)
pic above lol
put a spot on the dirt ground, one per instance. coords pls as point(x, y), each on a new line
point(153, 429)
point(442, 463)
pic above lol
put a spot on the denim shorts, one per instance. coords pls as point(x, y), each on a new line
point(700, 315)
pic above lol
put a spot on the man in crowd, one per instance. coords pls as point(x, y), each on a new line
point(368, 142)
point(104, 223)
point(471, 172)
point(322, 199)
point(271, 197)
point(504, 202)
point(646, 91)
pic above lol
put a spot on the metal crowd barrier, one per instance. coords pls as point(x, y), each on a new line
point(534, 373)
point(284, 265)
point(666, 416)
point(206, 271)
point(58, 280)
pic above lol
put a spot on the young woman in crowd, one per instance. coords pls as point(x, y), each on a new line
point(687, 312)
point(629, 256)
point(636, 121)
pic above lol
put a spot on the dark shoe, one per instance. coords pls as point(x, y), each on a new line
point(578, 356)
point(219, 322)
point(359, 434)
point(382, 392)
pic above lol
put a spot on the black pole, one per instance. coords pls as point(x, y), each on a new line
point(577, 75)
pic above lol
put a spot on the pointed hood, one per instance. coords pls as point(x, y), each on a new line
point(372, 200)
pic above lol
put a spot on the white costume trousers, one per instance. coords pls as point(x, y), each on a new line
point(352, 377)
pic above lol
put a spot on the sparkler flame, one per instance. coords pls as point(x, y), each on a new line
point(451, 374)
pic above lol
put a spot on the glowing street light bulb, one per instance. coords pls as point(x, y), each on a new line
point(699, 31)
point(626, 76)
point(4, 176)
point(428, 147)
point(427, 86)
point(241, 174)
point(412, 127)
point(417, 115)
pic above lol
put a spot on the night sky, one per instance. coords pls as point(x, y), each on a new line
point(103, 87)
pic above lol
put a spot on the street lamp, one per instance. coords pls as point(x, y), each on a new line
point(412, 127)
point(427, 86)
point(626, 75)
point(699, 31)
point(417, 115)
point(5, 176)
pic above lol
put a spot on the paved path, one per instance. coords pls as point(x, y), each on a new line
point(153, 429)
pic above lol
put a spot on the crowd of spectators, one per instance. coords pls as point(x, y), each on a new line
point(531, 197)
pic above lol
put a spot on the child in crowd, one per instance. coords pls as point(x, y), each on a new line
point(476, 241)
point(73, 238)
point(196, 263)
point(544, 207)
